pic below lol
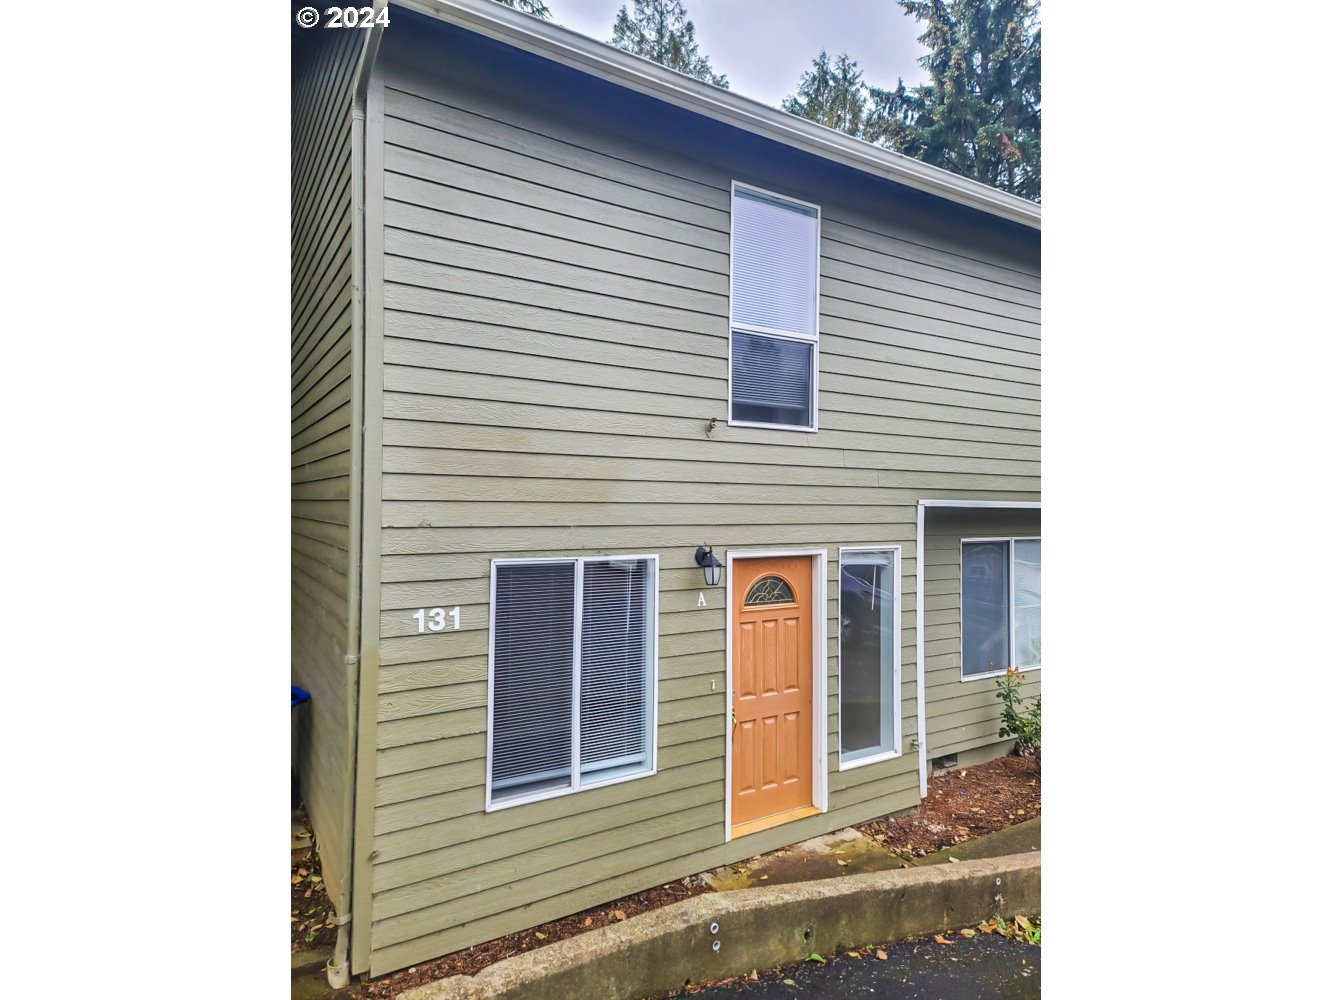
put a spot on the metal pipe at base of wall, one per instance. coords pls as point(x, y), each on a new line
point(340, 975)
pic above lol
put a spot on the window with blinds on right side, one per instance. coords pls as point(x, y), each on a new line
point(774, 311)
point(1001, 605)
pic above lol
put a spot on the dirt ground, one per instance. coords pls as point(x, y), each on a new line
point(312, 913)
point(963, 803)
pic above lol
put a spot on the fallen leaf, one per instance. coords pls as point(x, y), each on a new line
point(295, 879)
point(1023, 922)
point(1020, 812)
point(968, 932)
point(754, 975)
point(881, 954)
point(540, 936)
point(587, 921)
point(941, 939)
point(316, 878)
point(302, 872)
point(841, 863)
point(789, 982)
point(762, 877)
point(816, 957)
point(854, 954)
point(953, 859)
point(618, 914)
point(309, 893)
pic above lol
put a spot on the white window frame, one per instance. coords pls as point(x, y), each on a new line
point(812, 339)
point(576, 785)
point(1013, 621)
point(897, 751)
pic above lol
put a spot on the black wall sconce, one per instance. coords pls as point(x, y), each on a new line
point(711, 566)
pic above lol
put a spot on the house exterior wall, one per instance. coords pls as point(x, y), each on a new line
point(322, 67)
point(963, 716)
point(556, 281)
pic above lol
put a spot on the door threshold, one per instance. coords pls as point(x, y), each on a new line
point(777, 819)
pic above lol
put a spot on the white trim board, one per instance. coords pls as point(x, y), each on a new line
point(818, 670)
point(923, 750)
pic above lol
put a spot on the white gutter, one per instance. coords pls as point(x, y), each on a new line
point(569, 48)
point(923, 754)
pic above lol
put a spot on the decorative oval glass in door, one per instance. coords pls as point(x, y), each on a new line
point(769, 590)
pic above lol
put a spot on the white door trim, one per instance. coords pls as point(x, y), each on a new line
point(818, 670)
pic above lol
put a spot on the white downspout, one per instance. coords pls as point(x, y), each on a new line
point(338, 967)
point(922, 753)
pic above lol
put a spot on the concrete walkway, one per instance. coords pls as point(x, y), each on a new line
point(850, 852)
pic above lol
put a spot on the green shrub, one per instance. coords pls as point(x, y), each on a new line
point(1020, 722)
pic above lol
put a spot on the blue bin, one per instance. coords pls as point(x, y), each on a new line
point(299, 697)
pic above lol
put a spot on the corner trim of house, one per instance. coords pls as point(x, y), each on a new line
point(371, 387)
point(922, 749)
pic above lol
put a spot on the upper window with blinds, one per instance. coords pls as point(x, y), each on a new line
point(774, 310)
point(573, 675)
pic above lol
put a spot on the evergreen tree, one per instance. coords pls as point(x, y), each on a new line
point(534, 7)
point(980, 114)
point(832, 94)
point(658, 30)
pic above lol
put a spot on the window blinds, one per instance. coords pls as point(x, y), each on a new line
point(533, 683)
point(985, 601)
point(770, 379)
point(613, 690)
point(585, 625)
point(774, 263)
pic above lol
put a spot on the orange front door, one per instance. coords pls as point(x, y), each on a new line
point(772, 702)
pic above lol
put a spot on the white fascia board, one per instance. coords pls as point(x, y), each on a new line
point(587, 55)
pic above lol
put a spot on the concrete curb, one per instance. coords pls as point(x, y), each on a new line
point(756, 929)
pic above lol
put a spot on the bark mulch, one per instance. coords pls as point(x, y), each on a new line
point(964, 803)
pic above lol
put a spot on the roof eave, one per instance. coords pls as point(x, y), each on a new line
point(587, 55)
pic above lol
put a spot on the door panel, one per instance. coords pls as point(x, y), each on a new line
point(772, 681)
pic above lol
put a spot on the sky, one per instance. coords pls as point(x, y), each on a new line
point(763, 46)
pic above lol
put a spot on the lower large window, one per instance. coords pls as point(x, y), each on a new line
point(1001, 598)
point(573, 675)
point(868, 671)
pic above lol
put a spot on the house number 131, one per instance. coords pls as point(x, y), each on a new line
point(433, 620)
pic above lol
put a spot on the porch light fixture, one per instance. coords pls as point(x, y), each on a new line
point(711, 566)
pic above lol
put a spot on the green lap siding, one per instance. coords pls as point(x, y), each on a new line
point(321, 395)
point(555, 347)
point(963, 716)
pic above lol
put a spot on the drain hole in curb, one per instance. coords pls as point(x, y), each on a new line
point(808, 933)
